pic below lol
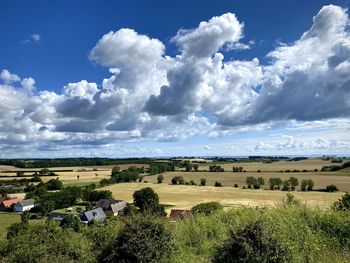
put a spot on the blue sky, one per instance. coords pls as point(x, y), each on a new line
point(250, 80)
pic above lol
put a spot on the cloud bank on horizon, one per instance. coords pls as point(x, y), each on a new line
point(151, 96)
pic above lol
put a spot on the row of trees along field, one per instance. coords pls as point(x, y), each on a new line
point(69, 162)
point(211, 234)
point(275, 183)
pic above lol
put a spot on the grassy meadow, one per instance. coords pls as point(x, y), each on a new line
point(6, 220)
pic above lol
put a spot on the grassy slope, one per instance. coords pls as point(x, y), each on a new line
point(6, 220)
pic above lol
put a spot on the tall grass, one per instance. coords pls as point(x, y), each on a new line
point(309, 235)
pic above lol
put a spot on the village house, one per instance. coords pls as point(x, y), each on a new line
point(7, 203)
point(24, 205)
point(116, 209)
point(112, 207)
point(96, 214)
point(180, 214)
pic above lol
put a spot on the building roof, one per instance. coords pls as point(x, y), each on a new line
point(105, 203)
point(117, 206)
point(8, 202)
point(95, 214)
point(180, 213)
point(26, 202)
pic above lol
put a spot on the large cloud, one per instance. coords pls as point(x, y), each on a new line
point(308, 80)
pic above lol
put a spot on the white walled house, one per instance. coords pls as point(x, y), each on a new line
point(24, 205)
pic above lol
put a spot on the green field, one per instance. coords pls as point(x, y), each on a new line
point(6, 220)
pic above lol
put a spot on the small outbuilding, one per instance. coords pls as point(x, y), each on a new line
point(96, 214)
point(24, 205)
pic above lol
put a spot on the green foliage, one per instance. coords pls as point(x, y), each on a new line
point(188, 167)
point(144, 239)
point(290, 200)
point(129, 175)
point(54, 184)
point(148, 202)
point(47, 243)
point(192, 182)
point(95, 196)
point(216, 168)
point(156, 168)
point(178, 180)
point(260, 182)
point(310, 185)
point(16, 229)
point(293, 182)
point(307, 185)
point(332, 188)
point(252, 244)
point(130, 210)
point(217, 184)
point(115, 170)
point(251, 181)
point(343, 203)
point(237, 169)
point(207, 208)
point(333, 168)
point(72, 222)
point(160, 178)
point(275, 183)
point(203, 181)
point(286, 185)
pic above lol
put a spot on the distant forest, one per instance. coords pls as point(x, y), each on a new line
point(67, 162)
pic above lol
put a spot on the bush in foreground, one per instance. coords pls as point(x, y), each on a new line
point(144, 239)
point(343, 203)
point(207, 208)
point(251, 244)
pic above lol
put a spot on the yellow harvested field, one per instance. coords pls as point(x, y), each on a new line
point(181, 196)
point(321, 180)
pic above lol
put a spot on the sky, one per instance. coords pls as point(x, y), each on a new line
point(174, 78)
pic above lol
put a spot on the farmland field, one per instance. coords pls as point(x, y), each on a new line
point(187, 196)
point(181, 196)
point(308, 164)
point(321, 179)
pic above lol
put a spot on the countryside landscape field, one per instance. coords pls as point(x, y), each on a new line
point(175, 131)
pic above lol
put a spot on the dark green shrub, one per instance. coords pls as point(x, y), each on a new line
point(343, 203)
point(332, 188)
point(178, 180)
point(251, 244)
point(148, 201)
point(207, 208)
point(160, 179)
point(217, 184)
point(203, 181)
point(144, 239)
point(71, 221)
